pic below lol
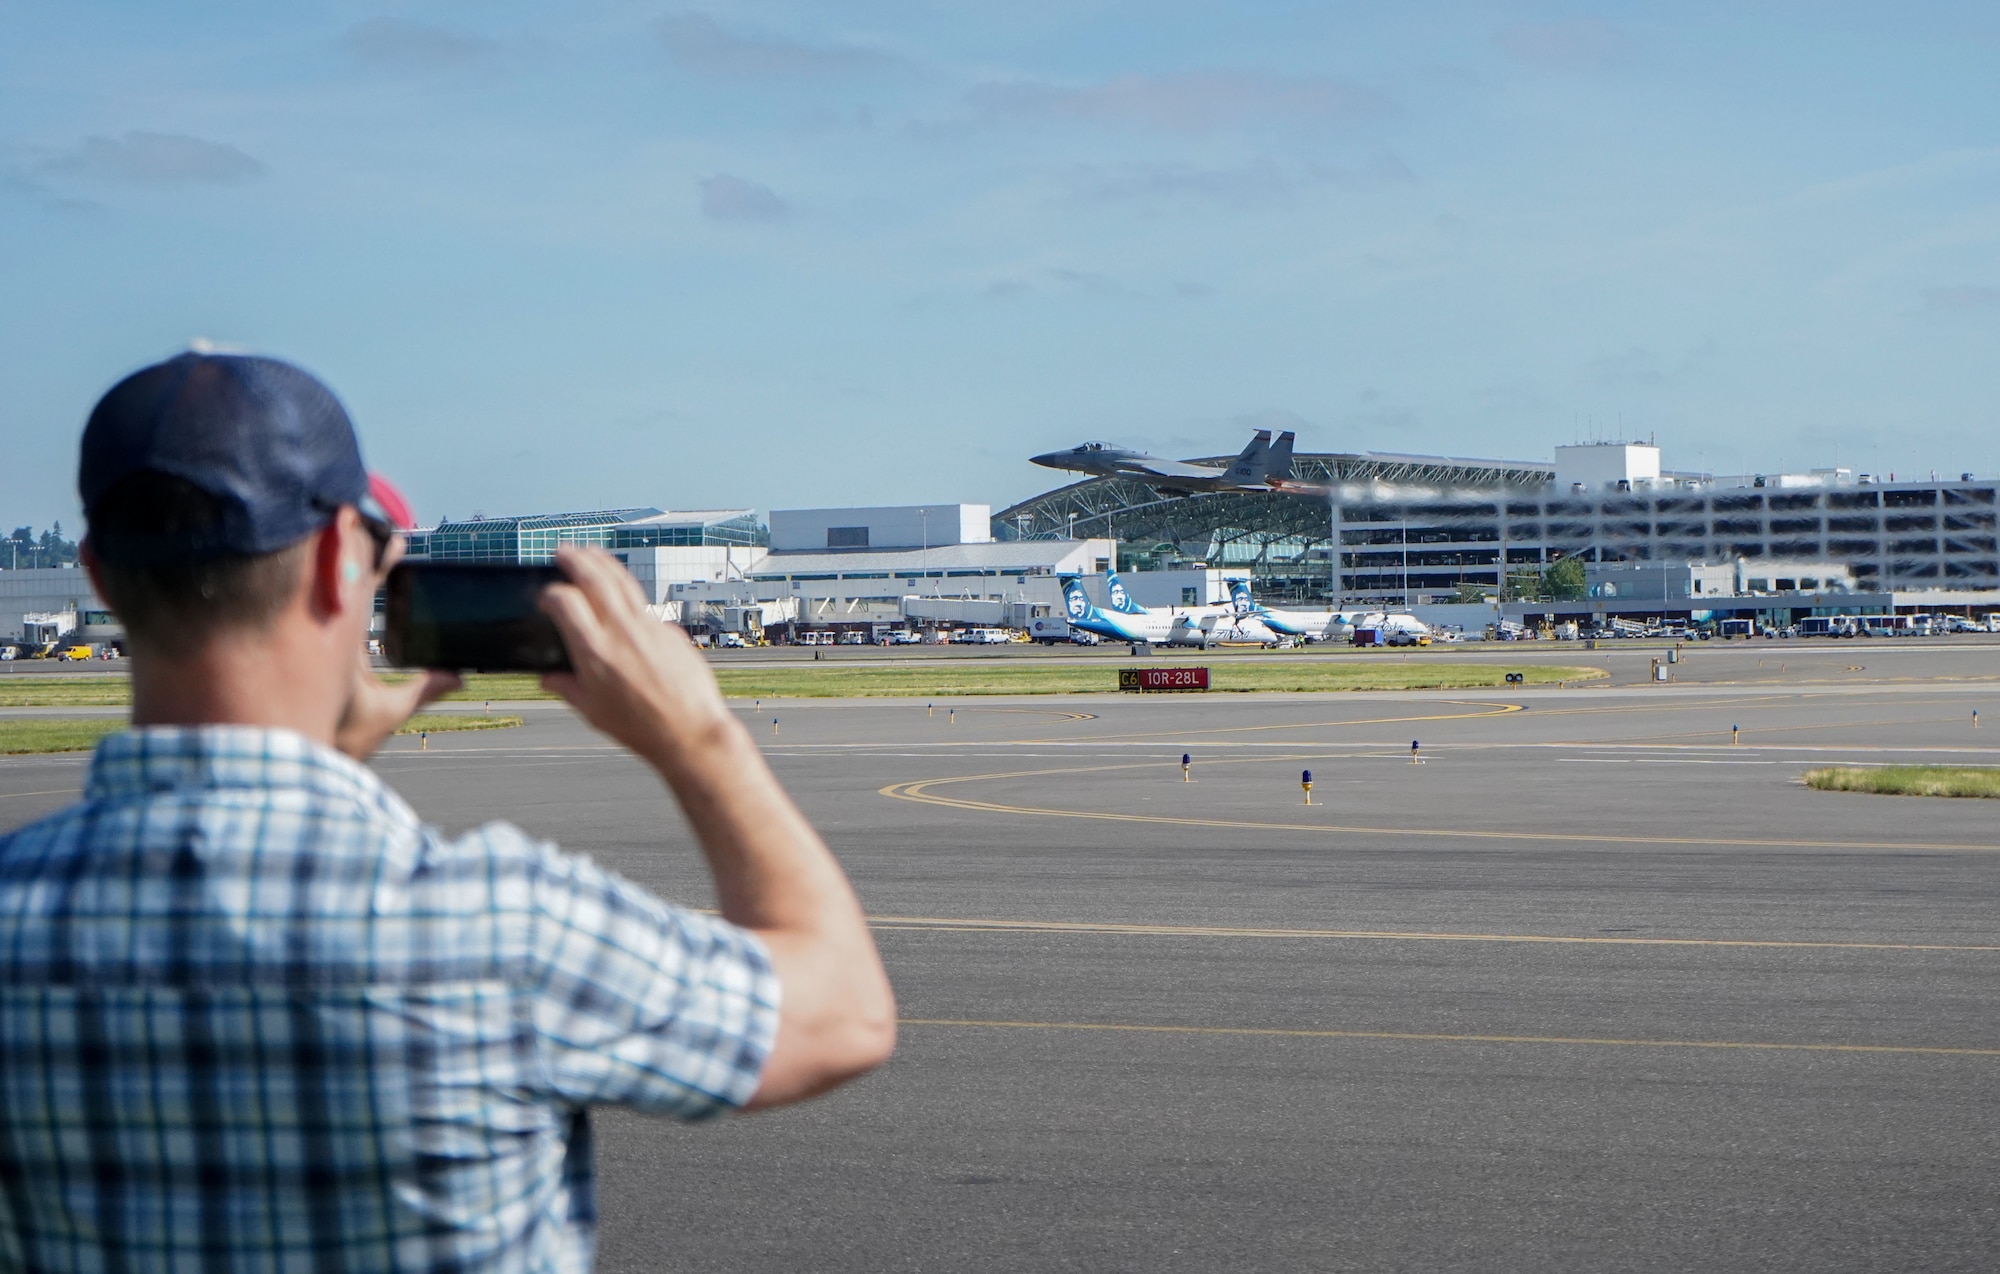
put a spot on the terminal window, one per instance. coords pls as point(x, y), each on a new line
point(847, 537)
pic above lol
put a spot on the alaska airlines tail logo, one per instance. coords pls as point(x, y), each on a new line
point(1240, 599)
point(1120, 600)
point(1075, 599)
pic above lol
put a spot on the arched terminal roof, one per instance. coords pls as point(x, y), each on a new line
point(1263, 526)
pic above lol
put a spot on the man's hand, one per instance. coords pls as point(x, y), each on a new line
point(638, 680)
point(643, 683)
point(375, 708)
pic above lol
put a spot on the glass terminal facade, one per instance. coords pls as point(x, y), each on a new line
point(1402, 529)
point(534, 539)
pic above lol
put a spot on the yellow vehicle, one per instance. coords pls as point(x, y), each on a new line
point(74, 654)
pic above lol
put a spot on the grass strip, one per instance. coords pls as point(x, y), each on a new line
point(930, 678)
point(22, 735)
point(940, 679)
point(440, 722)
point(1907, 780)
point(29, 690)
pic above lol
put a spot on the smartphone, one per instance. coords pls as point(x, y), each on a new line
point(473, 616)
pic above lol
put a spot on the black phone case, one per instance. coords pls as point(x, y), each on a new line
point(472, 616)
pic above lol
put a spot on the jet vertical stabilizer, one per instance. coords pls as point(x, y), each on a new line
point(1248, 470)
point(1277, 461)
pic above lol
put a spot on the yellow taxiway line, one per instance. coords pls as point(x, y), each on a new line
point(1488, 709)
point(1427, 1037)
point(919, 793)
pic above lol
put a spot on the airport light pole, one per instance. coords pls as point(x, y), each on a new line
point(1334, 580)
point(1405, 537)
point(925, 556)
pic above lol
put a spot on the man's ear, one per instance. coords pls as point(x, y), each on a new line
point(327, 568)
point(86, 553)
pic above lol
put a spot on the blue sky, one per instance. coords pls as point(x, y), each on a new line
point(782, 254)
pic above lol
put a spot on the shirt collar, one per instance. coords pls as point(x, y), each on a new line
point(164, 758)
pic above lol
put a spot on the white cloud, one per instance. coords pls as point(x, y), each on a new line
point(160, 159)
point(1579, 44)
point(399, 44)
point(1962, 298)
point(729, 198)
point(1259, 182)
point(700, 43)
point(1193, 101)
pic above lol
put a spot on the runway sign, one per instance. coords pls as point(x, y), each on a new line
point(1163, 678)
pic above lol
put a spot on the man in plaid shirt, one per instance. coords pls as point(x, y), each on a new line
point(253, 1014)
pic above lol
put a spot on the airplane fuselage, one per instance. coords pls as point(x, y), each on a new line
point(1261, 463)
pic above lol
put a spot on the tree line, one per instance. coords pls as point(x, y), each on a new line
point(24, 549)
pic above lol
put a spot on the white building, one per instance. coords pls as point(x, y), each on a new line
point(1607, 466)
point(854, 568)
point(60, 601)
point(908, 526)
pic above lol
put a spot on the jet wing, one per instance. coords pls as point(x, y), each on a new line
point(1170, 469)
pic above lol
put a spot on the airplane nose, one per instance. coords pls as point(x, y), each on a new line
point(1049, 459)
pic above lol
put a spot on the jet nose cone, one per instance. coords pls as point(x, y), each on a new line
point(1050, 459)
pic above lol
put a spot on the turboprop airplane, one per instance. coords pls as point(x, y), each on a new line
point(1262, 466)
point(1135, 624)
point(1306, 625)
point(1398, 629)
point(1126, 620)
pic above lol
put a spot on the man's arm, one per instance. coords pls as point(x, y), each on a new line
point(376, 708)
point(644, 684)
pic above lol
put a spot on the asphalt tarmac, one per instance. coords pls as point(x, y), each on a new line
point(1591, 988)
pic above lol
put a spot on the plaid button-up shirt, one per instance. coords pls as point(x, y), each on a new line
point(254, 1015)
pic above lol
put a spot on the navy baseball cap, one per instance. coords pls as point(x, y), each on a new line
point(266, 439)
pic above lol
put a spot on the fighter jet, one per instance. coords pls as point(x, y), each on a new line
point(1263, 465)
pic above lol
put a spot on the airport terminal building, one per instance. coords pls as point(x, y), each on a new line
point(847, 569)
point(1352, 529)
point(1405, 530)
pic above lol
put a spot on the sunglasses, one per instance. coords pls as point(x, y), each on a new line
point(380, 532)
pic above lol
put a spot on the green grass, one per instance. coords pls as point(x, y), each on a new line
point(55, 734)
point(1907, 780)
point(480, 686)
point(22, 735)
point(945, 678)
point(439, 722)
point(30, 690)
point(116, 692)
point(932, 678)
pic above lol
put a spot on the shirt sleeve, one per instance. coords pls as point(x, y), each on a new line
point(641, 1003)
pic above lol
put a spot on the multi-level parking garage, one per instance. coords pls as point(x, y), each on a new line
point(1414, 528)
